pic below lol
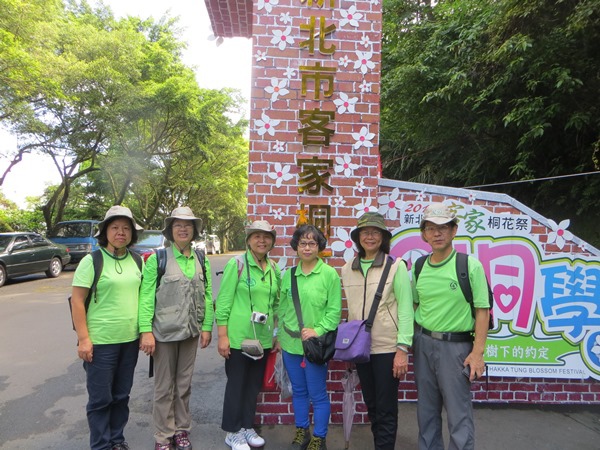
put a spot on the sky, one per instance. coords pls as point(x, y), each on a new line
point(228, 65)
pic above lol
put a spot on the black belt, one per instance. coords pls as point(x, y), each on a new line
point(463, 336)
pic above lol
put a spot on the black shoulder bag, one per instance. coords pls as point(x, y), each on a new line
point(320, 349)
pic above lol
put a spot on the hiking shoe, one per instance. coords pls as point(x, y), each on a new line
point(237, 441)
point(182, 442)
point(252, 438)
point(301, 439)
point(317, 443)
point(121, 446)
point(158, 446)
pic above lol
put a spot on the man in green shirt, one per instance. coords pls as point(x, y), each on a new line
point(448, 342)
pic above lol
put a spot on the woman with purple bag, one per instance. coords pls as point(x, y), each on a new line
point(392, 330)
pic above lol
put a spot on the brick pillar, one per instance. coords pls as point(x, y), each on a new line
point(315, 110)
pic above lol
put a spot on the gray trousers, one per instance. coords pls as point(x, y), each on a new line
point(440, 383)
point(173, 370)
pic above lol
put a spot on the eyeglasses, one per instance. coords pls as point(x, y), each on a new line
point(179, 226)
point(434, 229)
point(374, 233)
point(309, 244)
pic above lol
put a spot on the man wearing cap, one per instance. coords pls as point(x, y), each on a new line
point(449, 342)
point(175, 313)
point(248, 297)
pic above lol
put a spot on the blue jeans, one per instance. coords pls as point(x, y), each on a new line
point(109, 381)
point(309, 385)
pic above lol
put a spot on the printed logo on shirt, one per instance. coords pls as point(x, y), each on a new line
point(453, 286)
point(250, 282)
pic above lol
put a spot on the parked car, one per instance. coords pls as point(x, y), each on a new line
point(27, 253)
point(213, 244)
point(77, 236)
point(148, 241)
point(200, 244)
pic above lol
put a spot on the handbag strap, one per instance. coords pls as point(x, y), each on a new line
point(378, 294)
point(296, 298)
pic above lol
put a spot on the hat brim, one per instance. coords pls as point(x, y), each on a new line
point(354, 234)
point(103, 223)
point(250, 231)
point(438, 221)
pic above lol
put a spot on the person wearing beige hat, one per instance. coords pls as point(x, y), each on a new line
point(449, 338)
point(176, 312)
point(245, 308)
point(108, 330)
point(392, 330)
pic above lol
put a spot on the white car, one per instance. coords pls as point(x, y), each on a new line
point(213, 244)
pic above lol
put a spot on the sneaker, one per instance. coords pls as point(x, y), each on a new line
point(237, 441)
point(182, 442)
point(252, 438)
point(121, 446)
point(158, 446)
point(301, 439)
point(317, 443)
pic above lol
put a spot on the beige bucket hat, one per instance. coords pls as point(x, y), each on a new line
point(261, 225)
point(439, 214)
point(181, 213)
point(117, 211)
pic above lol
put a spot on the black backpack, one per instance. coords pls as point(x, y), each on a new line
point(98, 262)
point(462, 270)
point(161, 263)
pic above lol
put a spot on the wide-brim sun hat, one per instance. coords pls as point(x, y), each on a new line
point(369, 219)
point(181, 213)
point(261, 225)
point(439, 214)
point(117, 211)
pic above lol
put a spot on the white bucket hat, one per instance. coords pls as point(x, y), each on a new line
point(181, 213)
point(117, 211)
point(261, 225)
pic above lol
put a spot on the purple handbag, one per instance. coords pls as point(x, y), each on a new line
point(353, 341)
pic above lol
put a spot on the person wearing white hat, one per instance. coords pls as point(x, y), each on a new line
point(449, 338)
point(245, 308)
point(176, 311)
point(108, 331)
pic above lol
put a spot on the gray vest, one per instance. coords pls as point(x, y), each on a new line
point(180, 303)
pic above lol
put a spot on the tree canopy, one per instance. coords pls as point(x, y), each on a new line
point(479, 92)
point(120, 115)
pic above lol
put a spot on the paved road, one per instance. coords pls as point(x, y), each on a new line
point(42, 391)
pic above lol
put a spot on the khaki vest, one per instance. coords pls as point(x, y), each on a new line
point(180, 303)
point(360, 293)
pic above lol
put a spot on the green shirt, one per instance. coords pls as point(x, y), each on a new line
point(404, 297)
point(148, 289)
point(112, 317)
point(441, 304)
point(254, 290)
point(320, 294)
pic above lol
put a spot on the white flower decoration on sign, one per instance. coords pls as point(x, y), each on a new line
point(374, 2)
point(281, 174)
point(266, 125)
point(559, 233)
point(364, 207)
point(345, 244)
point(267, 4)
point(421, 196)
point(278, 146)
point(344, 61)
point(360, 185)
point(583, 247)
point(350, 17)
point(363, 138)
point(364, 86)
point(260, 56)
point(339, 201)
point(345, 166)
point(282, 38)
point(277, 88)
point(212, 37)
point(390, 204)
point(345, 104)
point(364, 62)
point(364, 40)
point(596, 346)
point(289, 73)
point(277, 213)
point(285, 18)
point(472, 196)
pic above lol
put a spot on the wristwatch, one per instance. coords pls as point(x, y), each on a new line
point(402, 348)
